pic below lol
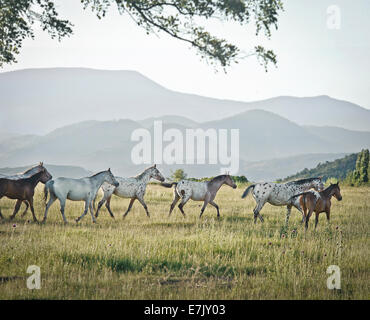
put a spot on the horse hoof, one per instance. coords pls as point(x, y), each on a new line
point(75, 220)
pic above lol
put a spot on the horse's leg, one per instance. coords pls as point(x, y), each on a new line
point(257, 210)
point(107, 205)
point(182, 204)
point(216, 206)
point(328, 215)
point(94, 200)
point(30, 201)
point(1, 216)
point(50, 202)
point(144, 205)
point(207, 199)
point(107, 194)
point(129, 207)
point(100, 204)
point(175, 200)
point(308, 218)
point(203, 208)
point(92, 210)
point(62, 207)
point(25, 210)
point(316, 219)
point(289, 210)
point(85, 211)
point(16, 209)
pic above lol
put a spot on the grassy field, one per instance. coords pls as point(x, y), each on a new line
point(177, 258)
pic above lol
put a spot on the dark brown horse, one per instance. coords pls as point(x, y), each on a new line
point(318, 202)
point(23, 189)
point(28, 173)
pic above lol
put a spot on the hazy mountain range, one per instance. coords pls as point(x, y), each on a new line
point(97, 145)
point(278, 136)
point(37, 101)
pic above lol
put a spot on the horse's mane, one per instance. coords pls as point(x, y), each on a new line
point(30, 169)
point(220, 177)
point(94, 175)
point(328, 189)
point(140, 175)
point(303, 181)
point(31, 177)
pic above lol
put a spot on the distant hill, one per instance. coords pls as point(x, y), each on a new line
point(182, 121)
point(4, 135)
point(55, 171)
point(317, 111)
point(271, 146)
point(36, 101)
point(331, 169)
point(275, 169)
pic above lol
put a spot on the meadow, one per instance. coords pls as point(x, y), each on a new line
point(191, 258)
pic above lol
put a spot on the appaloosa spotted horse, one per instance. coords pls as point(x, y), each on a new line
point(280, 194)
point(133, 188)
point(198, 191)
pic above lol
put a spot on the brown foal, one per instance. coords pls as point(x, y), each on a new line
point(23, 190)
point(318, 202)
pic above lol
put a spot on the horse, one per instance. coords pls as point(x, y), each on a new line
point(280, 194)
point(23, 190)
point(318, 202)
point(28, 173)
point(198, 191)
point(83, 189)
point(133, 188)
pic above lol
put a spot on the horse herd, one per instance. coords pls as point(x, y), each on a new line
point(298, 194)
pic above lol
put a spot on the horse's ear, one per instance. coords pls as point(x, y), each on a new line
point(155, 166)
point(109, 170)
point(41, 163)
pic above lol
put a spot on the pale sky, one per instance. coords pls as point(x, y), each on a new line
point(312, 58)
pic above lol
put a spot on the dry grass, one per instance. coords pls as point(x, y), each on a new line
point(177, 258)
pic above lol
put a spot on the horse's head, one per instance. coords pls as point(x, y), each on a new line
point(109, 177)
point(229, 181)
point(45, 174)
point(317, 184)
point(336, 191)
point(155, 174)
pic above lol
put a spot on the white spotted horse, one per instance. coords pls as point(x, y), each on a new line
point(133, 188)
point(198, 191)
point(280, 194)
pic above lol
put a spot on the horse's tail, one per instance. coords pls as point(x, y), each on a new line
point(168, 185)
point(48, 185)
point(245, 193)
